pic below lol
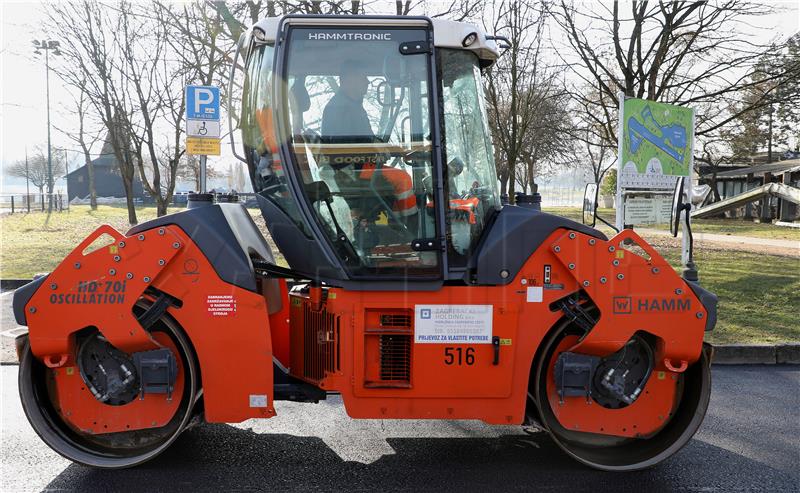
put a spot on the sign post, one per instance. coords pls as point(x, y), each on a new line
point(656, 144)
point(202, 125)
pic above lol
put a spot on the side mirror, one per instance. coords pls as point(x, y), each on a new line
point(590, 204)
point(678, 206)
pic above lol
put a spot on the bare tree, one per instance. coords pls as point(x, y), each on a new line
point(84, 137)
point(524, 97)
point(600, 158)
point(545, 148)
point(94, 60)
point(35, 170)
point(156, 94)
point(691, 53)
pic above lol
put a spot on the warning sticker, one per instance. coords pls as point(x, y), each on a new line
point(453, 324)
point(221, 305)
point(535, 294)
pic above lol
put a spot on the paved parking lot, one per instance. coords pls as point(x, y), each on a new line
point(750, 441)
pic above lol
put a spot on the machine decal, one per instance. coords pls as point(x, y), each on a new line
point(535, 294)
point(469, 324)
point(221, 305)
point(92, 293)
point(191, 269)
point(258, 400)
point(459, 356)
point(624, 305)
point(664, 305)
point(350, 36)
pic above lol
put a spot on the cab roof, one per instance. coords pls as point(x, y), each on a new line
point(446, 33)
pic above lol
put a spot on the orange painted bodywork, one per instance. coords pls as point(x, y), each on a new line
point(343, 331)
point(497, 393)
point(228, 326)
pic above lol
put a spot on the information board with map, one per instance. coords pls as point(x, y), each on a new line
point(656, 144)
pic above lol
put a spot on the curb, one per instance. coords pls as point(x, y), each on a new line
point(756, 354)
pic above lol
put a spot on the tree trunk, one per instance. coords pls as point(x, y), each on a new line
point(512, 183)
point(127, 183)
point(92, 190)
point(713, 185)
point(161, 207)
point(503, 184)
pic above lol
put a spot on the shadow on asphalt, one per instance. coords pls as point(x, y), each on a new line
point(225, 458)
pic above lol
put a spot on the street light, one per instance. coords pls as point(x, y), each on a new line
point(47, 46)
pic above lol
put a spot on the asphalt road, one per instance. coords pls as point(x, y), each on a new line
point(750, 441)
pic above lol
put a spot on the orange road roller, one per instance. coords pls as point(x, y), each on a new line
point(404, 283)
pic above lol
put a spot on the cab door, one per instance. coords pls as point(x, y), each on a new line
point(357, 132)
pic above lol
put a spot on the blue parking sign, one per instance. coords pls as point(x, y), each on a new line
point(202, 102)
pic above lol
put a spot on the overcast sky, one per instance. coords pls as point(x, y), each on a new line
point(23, 110)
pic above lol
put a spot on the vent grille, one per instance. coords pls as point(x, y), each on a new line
point(395, 357)
point(314, 342)
point(395, 320)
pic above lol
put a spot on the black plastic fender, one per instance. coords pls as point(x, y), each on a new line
point(511, 239)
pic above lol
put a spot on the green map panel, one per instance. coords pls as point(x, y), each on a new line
point(657, 138)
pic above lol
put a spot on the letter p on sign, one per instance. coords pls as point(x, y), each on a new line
point(202, 102)
point(204, 98)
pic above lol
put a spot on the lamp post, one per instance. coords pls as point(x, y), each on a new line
point(47, 46)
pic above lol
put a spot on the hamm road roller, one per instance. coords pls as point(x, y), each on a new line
point(414, 293)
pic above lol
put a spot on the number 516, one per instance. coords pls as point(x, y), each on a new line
point(459, 356)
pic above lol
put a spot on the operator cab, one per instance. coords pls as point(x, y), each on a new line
point(368, 146)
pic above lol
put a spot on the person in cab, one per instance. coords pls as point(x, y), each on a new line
point(346, 122)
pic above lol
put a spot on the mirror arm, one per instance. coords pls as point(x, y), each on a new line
point(690, 269)
point(687, 208)
point(230, 97)
point(605, 222)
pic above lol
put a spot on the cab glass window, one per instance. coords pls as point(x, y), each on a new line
point(359, 118)
point(470, 171)
point(260, 140)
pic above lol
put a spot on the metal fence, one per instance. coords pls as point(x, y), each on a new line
point(34, 202)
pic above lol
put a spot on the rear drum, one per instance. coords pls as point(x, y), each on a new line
point(107, 450)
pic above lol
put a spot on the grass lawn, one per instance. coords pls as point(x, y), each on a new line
point(740, 227)
point(759, 294)
point(37, 242)
point(736, 227)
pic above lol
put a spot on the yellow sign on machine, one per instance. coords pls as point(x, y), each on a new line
point(202, 146)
